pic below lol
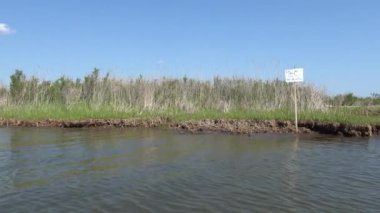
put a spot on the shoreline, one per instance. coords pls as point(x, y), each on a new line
point(229, 126)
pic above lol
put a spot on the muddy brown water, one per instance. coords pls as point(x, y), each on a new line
point(156, 170)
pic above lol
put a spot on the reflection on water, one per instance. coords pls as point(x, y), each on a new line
point(86, 170)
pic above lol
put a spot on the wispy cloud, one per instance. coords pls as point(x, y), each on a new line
point(5, 29)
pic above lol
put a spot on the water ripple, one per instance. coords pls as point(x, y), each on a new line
point(50, 170)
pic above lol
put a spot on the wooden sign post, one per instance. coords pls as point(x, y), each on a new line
point(294, 76)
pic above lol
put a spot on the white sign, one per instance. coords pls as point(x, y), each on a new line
point(294, 75)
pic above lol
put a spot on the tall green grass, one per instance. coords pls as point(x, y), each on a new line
point(80, 112)
point(141, 94)
point(179, 99)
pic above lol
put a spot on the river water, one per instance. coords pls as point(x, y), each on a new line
point(154, 170)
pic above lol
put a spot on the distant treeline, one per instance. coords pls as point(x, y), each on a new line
point(350, 99)
point(185, 94)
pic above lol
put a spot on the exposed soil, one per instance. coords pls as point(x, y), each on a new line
point(271, 126)
point(229, 126)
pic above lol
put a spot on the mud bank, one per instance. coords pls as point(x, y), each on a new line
point(229, 126)
point(88, 123)
point(271, 126)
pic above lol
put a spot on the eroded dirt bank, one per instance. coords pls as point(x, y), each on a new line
point(271, 126)
point(229, 126)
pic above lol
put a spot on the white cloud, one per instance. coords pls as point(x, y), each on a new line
point(5, 29)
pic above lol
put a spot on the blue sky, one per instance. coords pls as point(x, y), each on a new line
point(336, 41)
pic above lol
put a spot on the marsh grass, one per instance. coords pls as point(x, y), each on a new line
point(162, 94)
point(173, 115)
point(97, 97)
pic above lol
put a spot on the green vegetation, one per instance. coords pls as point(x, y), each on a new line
point(350, 99)
point(177, 100)
point(352, 116)
point(140, 94)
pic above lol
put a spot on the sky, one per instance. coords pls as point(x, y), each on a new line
point(337, 42)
